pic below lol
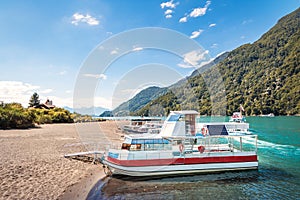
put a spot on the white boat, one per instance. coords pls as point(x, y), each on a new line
point(237, 117)
point(181, 148)
point(268, 115)
point(225, 128)
point(143, 126)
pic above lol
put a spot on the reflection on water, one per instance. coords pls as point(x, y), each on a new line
point(166, 188)
point(254, 184)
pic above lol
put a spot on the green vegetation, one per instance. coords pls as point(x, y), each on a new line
point(106, 114)
point(263, 77)
point(34, 100)
point(160, 106)
point(56, 115)
point(13, 115)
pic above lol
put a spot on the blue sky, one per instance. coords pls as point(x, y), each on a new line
point(44, 43)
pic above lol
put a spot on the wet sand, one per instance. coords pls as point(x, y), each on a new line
point(33, 165)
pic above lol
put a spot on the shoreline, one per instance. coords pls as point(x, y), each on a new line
point(81, 189)
point(33, 165)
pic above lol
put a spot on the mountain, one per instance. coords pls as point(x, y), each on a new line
point(93, 111)
point(262, 76)
point(209, 65)
point(138, 101)
point(151, 93)
point(106, 114)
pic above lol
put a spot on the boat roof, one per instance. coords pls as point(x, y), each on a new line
point(186, 112)
point(143, 136)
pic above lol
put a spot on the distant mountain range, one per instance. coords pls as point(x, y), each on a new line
point(262, 76)
point(139, 101)
point(93, 111)
point(151, 93)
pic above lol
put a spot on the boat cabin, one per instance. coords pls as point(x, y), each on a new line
point(146, 143)
point(180, 123)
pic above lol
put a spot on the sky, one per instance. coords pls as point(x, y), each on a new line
point(45, 46)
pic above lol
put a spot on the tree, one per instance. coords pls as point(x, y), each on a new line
point(34, 100)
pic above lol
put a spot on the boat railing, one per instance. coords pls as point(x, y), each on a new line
point(212, 146)
point(173, 155)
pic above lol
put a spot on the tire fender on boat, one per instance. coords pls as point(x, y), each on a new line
point(181, 147)
point(201, 149)
point(204, 131)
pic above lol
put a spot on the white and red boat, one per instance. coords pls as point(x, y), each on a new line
point(238, 116)
point(182, 149)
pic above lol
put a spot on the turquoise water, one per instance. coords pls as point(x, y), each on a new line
point(278, 175)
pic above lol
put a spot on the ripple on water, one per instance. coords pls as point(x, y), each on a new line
point(268, 183)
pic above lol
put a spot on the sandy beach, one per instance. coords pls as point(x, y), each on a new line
point(33, 165)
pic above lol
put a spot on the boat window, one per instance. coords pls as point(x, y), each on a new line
point(148, 145)
point(126, 146)
point(174, 118)
point(149, 141)
point(135, 147)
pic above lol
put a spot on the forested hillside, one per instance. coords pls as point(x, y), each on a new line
point(138, 101)
point(263, 77)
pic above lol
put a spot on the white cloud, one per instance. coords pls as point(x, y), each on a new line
point(183, 20)
point(46, 91)
point(220, 54)
point(212, 25)
point(194, 59)
point(103, 102)
point(100, 48)
point(97, 102)
point(169, 11)
point(58, 101)
point(247, 21)
point(243, 37)
point(197, 12)
point(169, 4)
point(183, 65)
point(68, 91)
point(115, 51)
point(137, 49)
point(19, 92)
point(196, 34)
point(98, 76)
point(201, 64)
point(215, 45)
point(16, 91)
point(88, 19)
point(62, 72)
point(168, 16)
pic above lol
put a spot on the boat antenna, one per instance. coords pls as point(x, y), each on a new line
point(241, 109)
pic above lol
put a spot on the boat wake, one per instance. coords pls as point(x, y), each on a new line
point(283, 148)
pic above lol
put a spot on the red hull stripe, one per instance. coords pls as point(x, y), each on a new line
point(182, 161)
